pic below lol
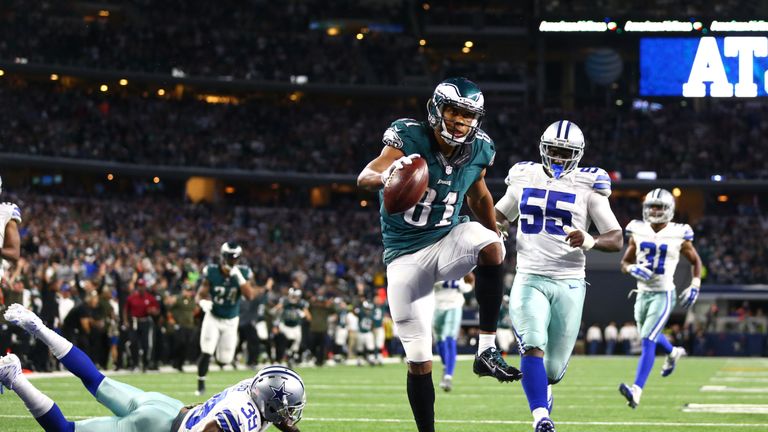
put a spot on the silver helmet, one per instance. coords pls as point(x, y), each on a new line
point(663, 199)
point(279, 394)
point(561, 147)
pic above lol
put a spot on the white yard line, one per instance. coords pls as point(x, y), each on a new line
point(726, 408)
point(726, 389)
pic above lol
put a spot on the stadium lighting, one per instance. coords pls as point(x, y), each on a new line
point(573, 26)
point(422, 42)
point(465, 50)
point(717, 178)
point(54, 77)
point(110, 177)
point(161, 92)
point(676, 192)
point(123, 82)
point(156, 180)
point(425, 6)
point(658, 26)
point(332, 31)
point(646, 175)
point(619, 102)
point(104, 87)
point(2, 72)
point(363, 203)
point(722, 198)
point(754, 25)
point(103, 13)
point(469, 44)
point(229, 190)
point(360, 36)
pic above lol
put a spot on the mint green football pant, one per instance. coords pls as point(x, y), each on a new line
point(546, 314)
point(447, 323)
point(135, 410)
point(652, 309)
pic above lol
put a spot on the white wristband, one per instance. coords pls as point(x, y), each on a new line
point(696, 282)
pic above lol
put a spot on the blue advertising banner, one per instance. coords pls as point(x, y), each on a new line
point(732, 66)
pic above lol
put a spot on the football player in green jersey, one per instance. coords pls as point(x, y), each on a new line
point(431, 242)
point(219, 296)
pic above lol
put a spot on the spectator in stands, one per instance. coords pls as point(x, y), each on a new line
point(611, 335)
point(594, 339)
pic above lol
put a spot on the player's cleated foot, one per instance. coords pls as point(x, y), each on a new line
point(626, 391)
point(671, 361)
point(24, 318)
point(446, 383)
point(10, 368)
point(545, 425)
point(200, 387)
point(491, 363)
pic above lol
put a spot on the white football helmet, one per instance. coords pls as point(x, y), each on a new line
point(294, 295)
point(1, 185)
point(279, 394)
point(230, 253)
point(561, 147)
point(663, 199)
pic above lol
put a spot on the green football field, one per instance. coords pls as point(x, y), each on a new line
point(712, 394)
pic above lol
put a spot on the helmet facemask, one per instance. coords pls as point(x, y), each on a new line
point(559, 157)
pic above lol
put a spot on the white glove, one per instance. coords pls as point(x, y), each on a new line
point(206, 305)
point(396, 165)
point(689, 295)
point(640, 272)
point(589, 241)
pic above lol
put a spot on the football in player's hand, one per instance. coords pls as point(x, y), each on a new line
point(406, 186)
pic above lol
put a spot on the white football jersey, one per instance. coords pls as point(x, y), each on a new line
point(658, 251)
point(450, 294)
point(8, 212)
point(544, 205)
point(232, 409)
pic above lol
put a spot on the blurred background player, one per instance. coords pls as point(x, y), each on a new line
point(431, 242)
point(140, 308)
point(224, 284)
point(556, 203)
point(379, 335)
point(449, 302)
point(290, 312)
point(655, 246)
point(275, 395)
point(365, 346)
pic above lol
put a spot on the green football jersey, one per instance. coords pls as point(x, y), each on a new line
point(293, 313)
point(378, 316)
point(438, 211)
point(224, 291)
point(365, 320)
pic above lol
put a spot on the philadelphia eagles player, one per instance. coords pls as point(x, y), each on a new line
point(275, 396)
point(655, 246)
point(431, 242)
point(449, 302)
point(224, 283)
point(556, 202)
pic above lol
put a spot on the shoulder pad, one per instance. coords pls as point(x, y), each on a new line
point(594, 178)
point(14, 213)
point(632, 226)
point(520, 170)
point(398, 133)
point(687, 232)
point(486, 147)
point(205, 270)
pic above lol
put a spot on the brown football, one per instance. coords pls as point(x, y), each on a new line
point(406, 186)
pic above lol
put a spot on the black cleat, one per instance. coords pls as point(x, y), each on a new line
point(626, 391)
point(490, 363)
point(545, 425)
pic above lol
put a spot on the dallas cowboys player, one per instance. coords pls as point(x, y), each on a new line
point(556, 202)
point(449, 302)
point(430, 242)
point(274, 396)
point(10, 218)
point(224, 283)
point(655, 246)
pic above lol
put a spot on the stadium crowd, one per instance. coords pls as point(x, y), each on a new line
point(83, 259)
point(319, 135)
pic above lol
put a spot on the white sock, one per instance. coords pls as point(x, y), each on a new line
point(56, 343)
point(538, 414)
point(37, 403)
point(448, 377)
point(486, 341)
point(637, 391)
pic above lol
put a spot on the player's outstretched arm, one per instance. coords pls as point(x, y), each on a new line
point(630, 256)
point(12, 242)
point(370, 177)
point(690, 253)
